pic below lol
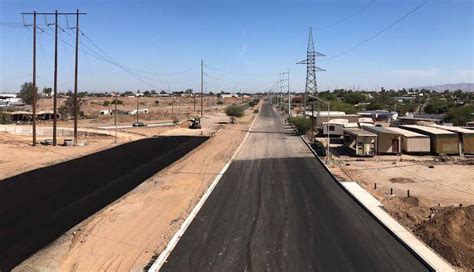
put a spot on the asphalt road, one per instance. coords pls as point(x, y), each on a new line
point(277, 209)
point(40, 205)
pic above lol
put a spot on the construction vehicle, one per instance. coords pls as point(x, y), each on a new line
point(195, 123)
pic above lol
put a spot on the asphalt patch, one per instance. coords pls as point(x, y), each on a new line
point(38, 206)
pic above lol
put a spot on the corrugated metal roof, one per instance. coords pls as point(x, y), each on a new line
point(337, 122)
point(359, 132)
point(431, 130)
point(380, 129)
point(455, 129)
point(407, 133)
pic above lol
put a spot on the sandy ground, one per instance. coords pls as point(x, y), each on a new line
point(440, 207)
point(128, 233)
point(18, 156)
point(445, 184)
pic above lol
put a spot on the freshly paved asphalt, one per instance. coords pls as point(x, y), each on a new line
point(277, 209)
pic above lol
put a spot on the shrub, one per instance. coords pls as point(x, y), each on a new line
point(157, 102)
point(301, 123)
point(106, 103)
point(119, 102)
point(234, 111)
point(252, 104)
point(255, 111)
point(220, 102)
point(175, 119)
point(5, 118)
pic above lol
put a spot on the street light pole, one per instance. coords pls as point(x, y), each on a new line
point(328, 132)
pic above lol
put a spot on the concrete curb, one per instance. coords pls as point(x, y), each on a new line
point(418, 248)
point(156, 266)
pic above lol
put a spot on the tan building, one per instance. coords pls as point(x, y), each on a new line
point(360, 142)
point(388, 141)
point(412, 142)
point(335, 126)
point(465, 137)
point(441, 141)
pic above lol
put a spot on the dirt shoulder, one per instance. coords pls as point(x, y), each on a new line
point(128, 233)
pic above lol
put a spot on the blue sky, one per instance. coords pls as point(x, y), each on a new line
point(435, 45)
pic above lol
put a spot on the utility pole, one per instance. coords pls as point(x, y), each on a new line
point(194, 102)
point(75, 77)
point(55, 105)
point(115, 118)
point(56, 13)
point(277, 99)
point(289, 95)
point(202, 86)
point(138, 99)
point(34, 78)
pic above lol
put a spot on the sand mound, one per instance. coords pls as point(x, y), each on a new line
point(451, 233)
point(407, 210)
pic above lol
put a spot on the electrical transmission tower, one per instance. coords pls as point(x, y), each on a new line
point(311, 88)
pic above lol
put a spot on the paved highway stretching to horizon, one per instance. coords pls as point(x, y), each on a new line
point(278, 209)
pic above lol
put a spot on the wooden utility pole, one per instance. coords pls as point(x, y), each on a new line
point(34, 78)
point(56, 13)
point(55, 105)
point(202, 87)
point(75, 77)
point(138, 99)
point(115, 118)
point(289, 94)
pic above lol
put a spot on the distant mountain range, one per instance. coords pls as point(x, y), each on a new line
point(466, 87)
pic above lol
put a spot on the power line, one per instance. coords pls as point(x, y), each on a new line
point(103, 56)
point(239, 74)
point(348, 17)
point(379, 32)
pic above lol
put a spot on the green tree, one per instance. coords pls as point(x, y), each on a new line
point(26, 93)
point(460, 116)
point(47, 91)
point(341, 106)
point(67, 110)
point(301, 123)
point(437, 106)
point(354, 98)
point(234, 111)
point(375, 105)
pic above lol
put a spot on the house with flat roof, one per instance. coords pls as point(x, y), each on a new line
point(412, 142)
point(388, 141)
point(465, 137)
point(360, 142)
point(441, 141)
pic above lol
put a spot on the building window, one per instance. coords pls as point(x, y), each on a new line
point(331, 128)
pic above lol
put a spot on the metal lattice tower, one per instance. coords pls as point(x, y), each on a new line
point(311, 69)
